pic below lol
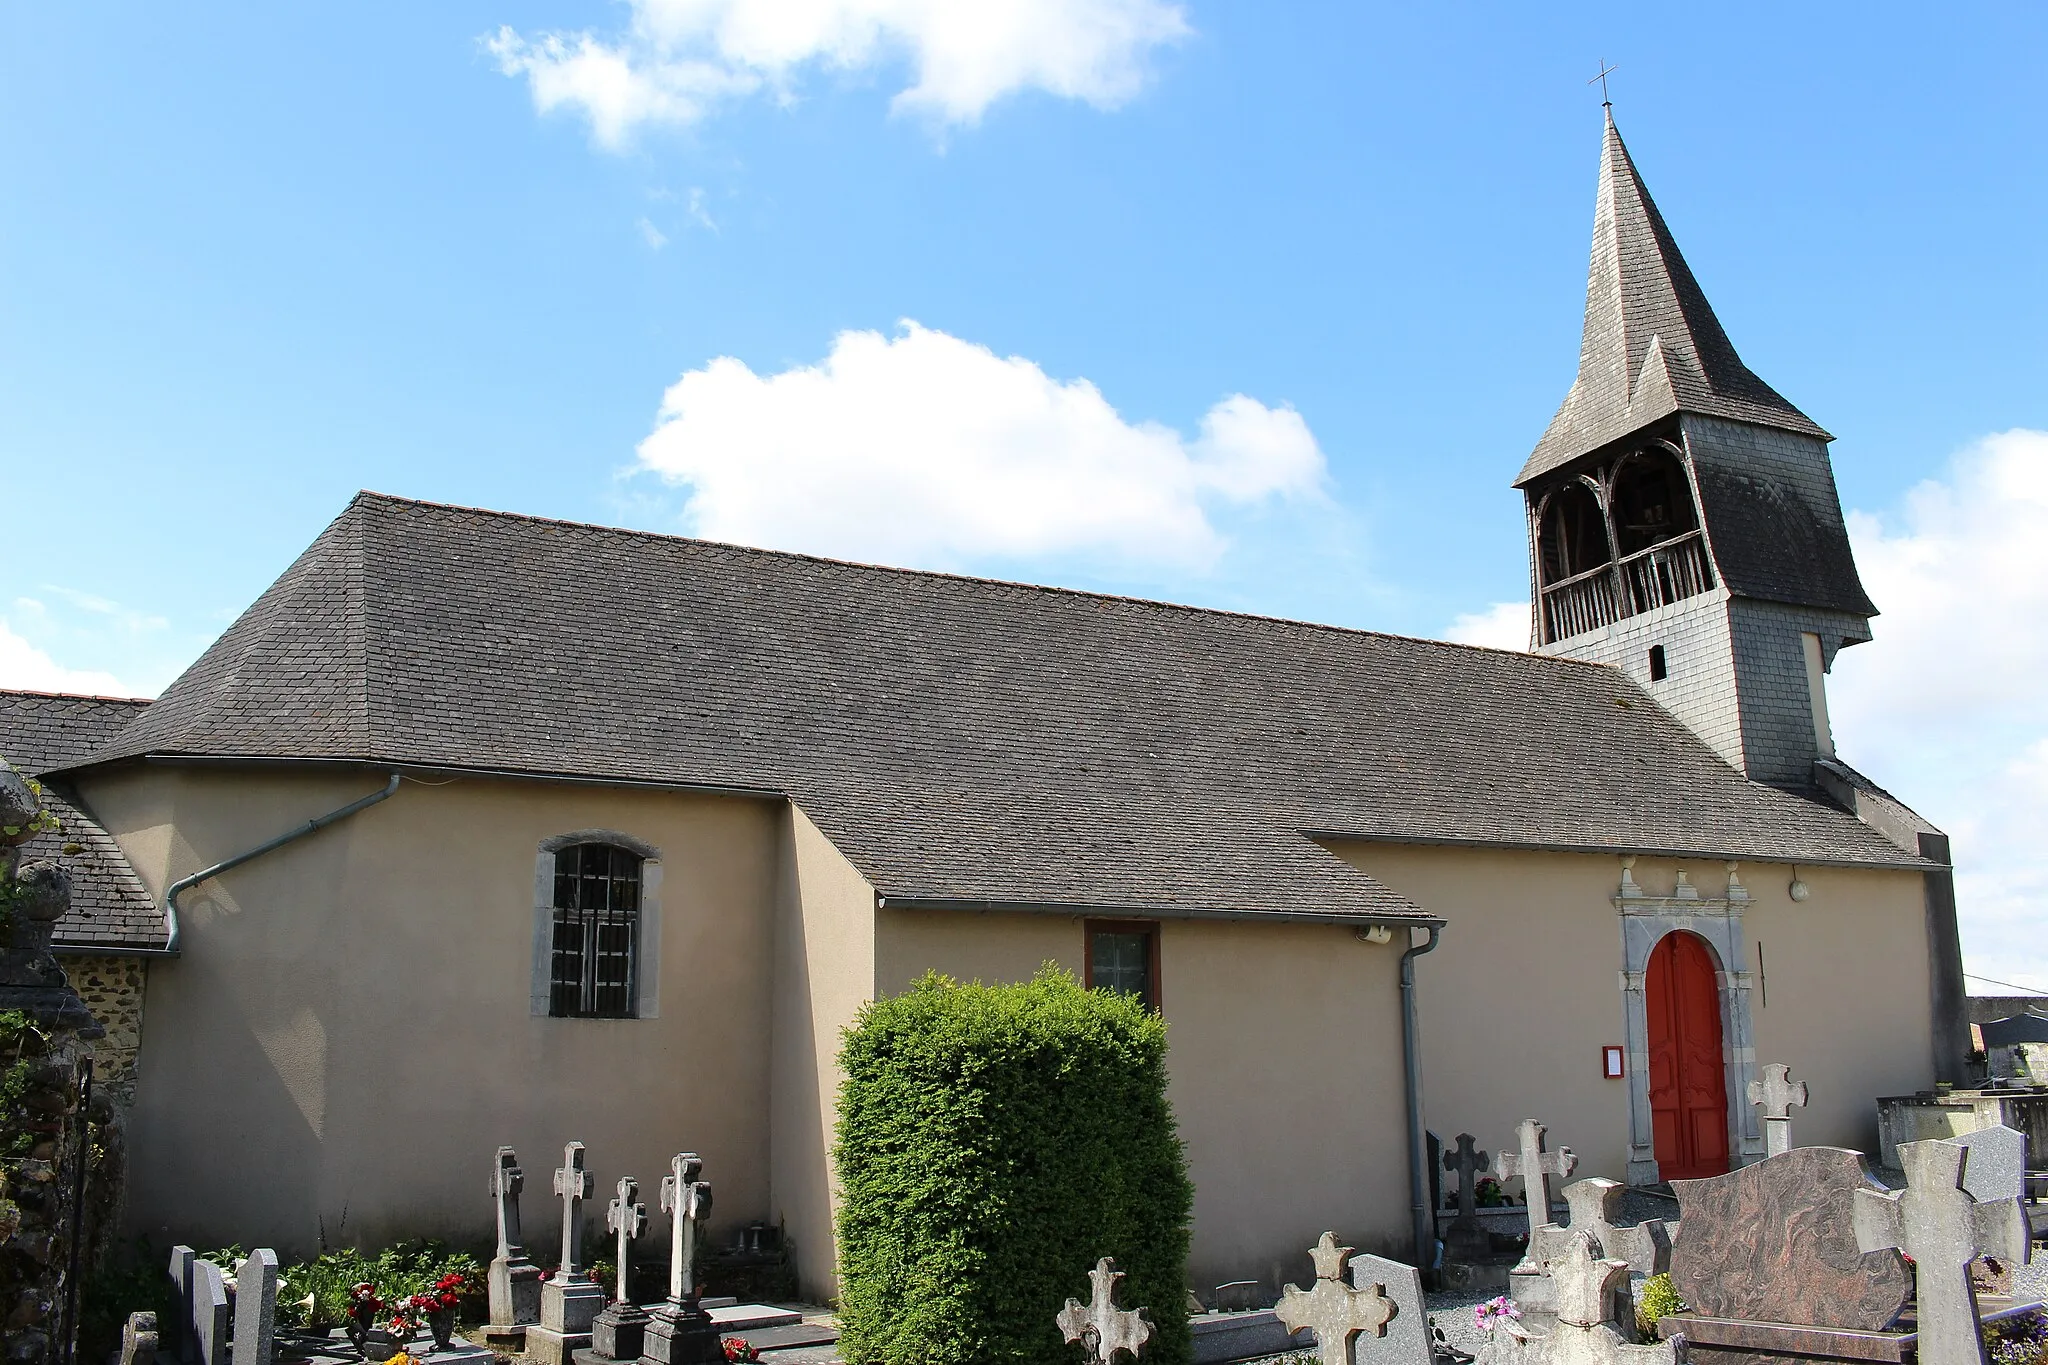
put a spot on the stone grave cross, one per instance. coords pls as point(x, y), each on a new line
point(572, 1183)
point(1936, 1222)
point(1466, 1238)
point(1777, 1094)
point(1535, 1166)
point(627, 1218)
point(1587, 1285)
point(1100, 1326)
point(507, 1180)
point(1333, 1310)
point(1594, 1202)
point(688, 1200)
point(1468, 1162)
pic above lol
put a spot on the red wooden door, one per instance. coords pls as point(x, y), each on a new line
point(1688, 1087)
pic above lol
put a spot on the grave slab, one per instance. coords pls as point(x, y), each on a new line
point(1775, 1241)
point(1221, 1337)
point(746, 1316)
point(788, 1338)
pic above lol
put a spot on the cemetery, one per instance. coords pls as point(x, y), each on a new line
point(1033, 974)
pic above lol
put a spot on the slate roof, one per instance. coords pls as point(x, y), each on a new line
point(1652, 345)
point(959, 739)
point(42, 731)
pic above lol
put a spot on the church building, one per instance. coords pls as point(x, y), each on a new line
point(480, 829)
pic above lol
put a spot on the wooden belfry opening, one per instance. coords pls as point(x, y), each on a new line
point(1619, 540)
point(1688, 1080)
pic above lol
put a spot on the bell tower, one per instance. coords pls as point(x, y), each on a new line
point(1683, 519)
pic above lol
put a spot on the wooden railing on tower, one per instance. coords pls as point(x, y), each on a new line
point(1580, 603)
point(1667, 573)
point(1648, 579)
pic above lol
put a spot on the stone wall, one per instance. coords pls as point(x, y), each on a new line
point(112, 988)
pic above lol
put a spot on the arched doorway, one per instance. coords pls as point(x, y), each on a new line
point(1688, 1085)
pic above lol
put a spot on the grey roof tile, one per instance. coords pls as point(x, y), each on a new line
point(1652, 345)
point(958, 738)
point(41, 731)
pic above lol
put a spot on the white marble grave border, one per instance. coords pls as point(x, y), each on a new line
point(1645, 920)
point(646, 946)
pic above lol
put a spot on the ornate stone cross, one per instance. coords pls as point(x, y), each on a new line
point(1936, 1222)
point(1100, 1326)
point(1535, 1166)
point(572, 1183)
point(627, 1218)
point(1586, 1286)
point(514, 1280)
point(1777, 1094)
point(1645, 1248)
point(1333, 1310)
point(688, 1202)
point(1468, 1162)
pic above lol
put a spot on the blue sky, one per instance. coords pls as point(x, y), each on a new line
point(1300, 283)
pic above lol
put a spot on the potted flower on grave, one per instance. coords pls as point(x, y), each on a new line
point(1487, 1194)
point(738, 1349)
point(437, 1307)
point(1495, 1312)
point(363, 1308)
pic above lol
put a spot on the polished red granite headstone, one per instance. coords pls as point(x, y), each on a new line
point(1774, 1241)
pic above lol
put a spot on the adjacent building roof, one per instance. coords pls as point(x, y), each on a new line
point(1652, 345)
point(41, 731)
point(959, 739)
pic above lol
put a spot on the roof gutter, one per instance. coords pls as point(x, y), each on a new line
point(1418, 1139)
point(1618, 850)
point(172, 946)
point(1175, 912)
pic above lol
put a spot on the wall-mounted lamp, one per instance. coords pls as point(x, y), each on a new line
point(1798, 890)
point(1378, 934)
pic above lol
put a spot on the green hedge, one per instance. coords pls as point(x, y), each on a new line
point(993, 1142)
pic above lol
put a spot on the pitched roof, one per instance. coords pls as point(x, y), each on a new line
point(41, 731)
point(959, 739)
point(1652, 345)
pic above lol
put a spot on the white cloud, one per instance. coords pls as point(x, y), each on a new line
point(1944, 707)
point(922, 449)
point(655, 238)
point(1504, 625)
point(29, 669)
point(678, 59)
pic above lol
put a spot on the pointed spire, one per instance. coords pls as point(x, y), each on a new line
point(1652, 345)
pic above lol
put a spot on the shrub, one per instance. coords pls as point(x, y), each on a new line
point(993, 1142)
point(1658, 1298)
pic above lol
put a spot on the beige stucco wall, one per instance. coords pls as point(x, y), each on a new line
point(348, 1037)
point(1284, 1047)
point(1525, 989)
point(824, 946)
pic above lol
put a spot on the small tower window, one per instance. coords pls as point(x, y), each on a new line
point(1658, 670)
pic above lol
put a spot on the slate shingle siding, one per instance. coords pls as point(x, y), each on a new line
point(960, 738)
point(41, 732)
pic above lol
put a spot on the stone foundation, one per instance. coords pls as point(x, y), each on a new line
point(112, 988)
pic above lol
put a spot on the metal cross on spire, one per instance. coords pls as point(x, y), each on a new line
point(1605, 72)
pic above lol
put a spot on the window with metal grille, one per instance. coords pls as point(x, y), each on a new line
point(596, 930)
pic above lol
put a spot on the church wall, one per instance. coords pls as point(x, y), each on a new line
point(348, 1035)
point(1525, 989)
point(1700, 687)
point(824, 973)
point(1284, 1046)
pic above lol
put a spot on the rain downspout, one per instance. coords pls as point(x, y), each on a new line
point(183, 884)
point(1418, 1141)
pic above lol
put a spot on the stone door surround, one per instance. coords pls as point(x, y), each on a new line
point(1645, 919)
